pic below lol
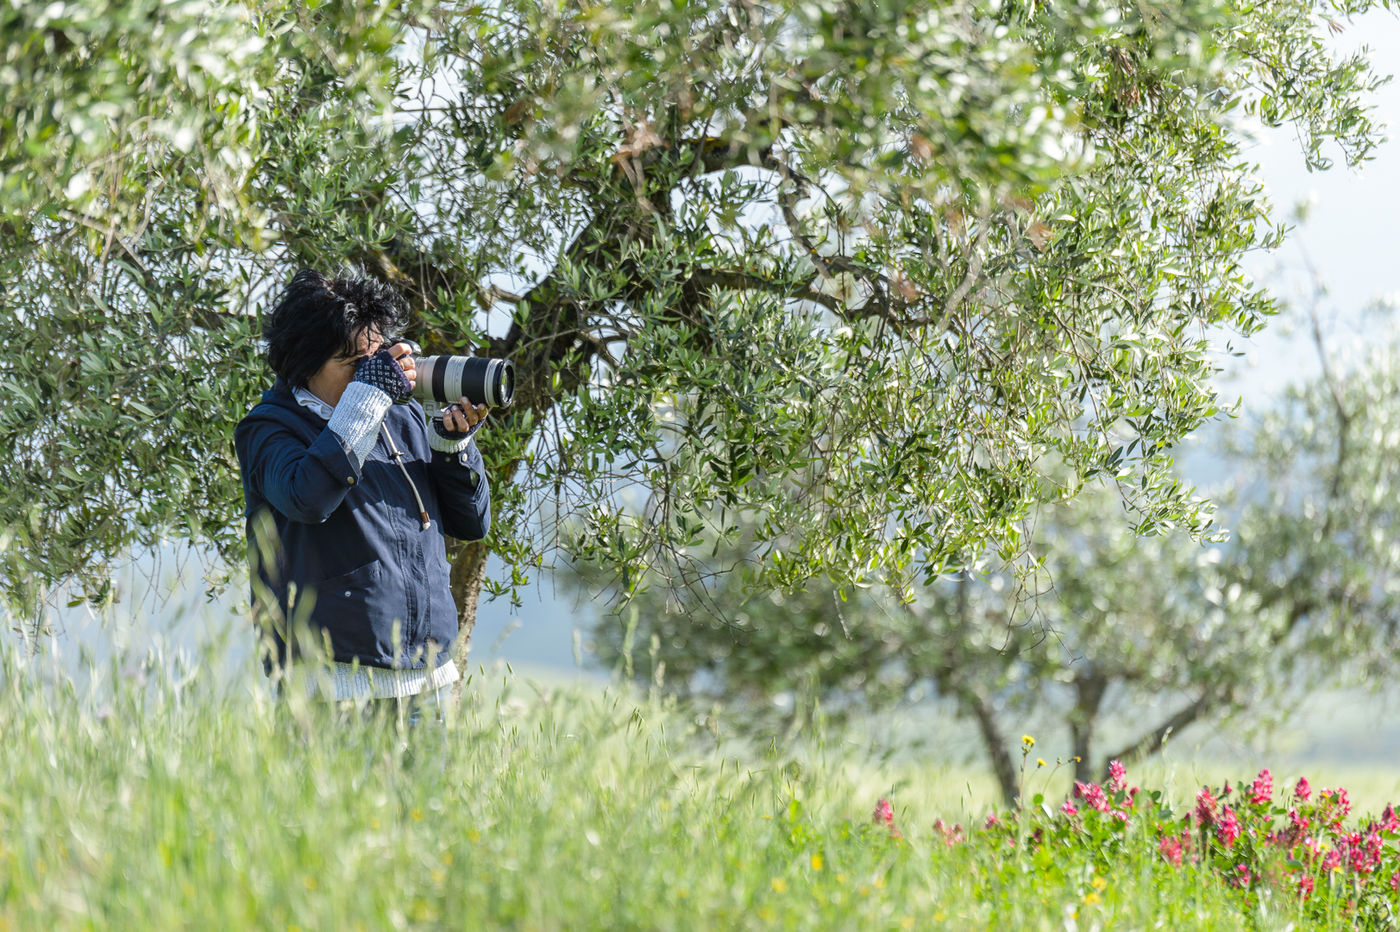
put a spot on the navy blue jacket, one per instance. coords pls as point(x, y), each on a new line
point(341, 549)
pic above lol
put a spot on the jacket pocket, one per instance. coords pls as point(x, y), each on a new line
point(349, 608)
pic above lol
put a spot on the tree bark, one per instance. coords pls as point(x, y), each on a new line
point(951, 681)
point(468, 571)
point(995, 742)
point(1090, 688)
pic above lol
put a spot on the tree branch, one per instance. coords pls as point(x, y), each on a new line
point(714, 154)
point(1152, 742)
point(1334, 389)
point(740, 280)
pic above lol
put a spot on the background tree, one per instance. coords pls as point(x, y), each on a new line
point(880, 277)
point(1101, 626)
point(1112, 633)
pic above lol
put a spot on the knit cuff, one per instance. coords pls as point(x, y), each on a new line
point(357, 417)
point(440, 441)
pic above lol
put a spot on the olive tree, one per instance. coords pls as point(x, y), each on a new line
point(1126, 640)
point(878, 277)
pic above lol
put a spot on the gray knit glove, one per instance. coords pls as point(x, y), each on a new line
point(384, 373)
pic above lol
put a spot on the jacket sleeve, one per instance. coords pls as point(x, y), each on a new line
point(305, 483)
point(463, 493)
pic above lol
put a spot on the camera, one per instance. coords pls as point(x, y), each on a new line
point(444, 379)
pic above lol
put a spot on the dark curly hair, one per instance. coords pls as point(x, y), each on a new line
point(319, 318)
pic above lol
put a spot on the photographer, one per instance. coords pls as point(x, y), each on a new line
point(347, 497)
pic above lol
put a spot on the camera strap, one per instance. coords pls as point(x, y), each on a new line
point(398, 458)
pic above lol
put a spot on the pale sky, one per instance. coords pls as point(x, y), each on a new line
point(1349, 233)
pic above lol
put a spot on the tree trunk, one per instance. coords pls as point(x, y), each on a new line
point(951, 680)
point(468, 571)
point(1082, 720)
point(995, 743)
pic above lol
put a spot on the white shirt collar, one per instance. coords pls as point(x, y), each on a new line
point(305, 398)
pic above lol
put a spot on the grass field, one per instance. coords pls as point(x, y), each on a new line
point(155, 798)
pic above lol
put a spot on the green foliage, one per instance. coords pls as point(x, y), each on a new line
point(1095, 624)
point(113, 106)
point(1316, 538)
point(876, 282)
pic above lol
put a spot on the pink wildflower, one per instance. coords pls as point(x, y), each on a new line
point(1395, 881)
point(1390, 823)
point(1332, 860)
point(1262, 789)
point(1229, 829)
point(1363, 853)
point(884, 815)
point(1118, 815)
point(1170, 849)
point(1294, 834)
point(1093, 795)
point(1069, 809)
point(1335, 805)
point(1303, 791)
point(1375, 847)
point(1206, 805)
point(1117, 776)
point(1306, 886)
point(992, 822)
point(1243, 876)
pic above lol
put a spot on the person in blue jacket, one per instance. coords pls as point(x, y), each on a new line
point(348, 493)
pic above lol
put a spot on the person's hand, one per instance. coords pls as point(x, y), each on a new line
point(394, 377)
point(461, 417)
point(403, 352)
